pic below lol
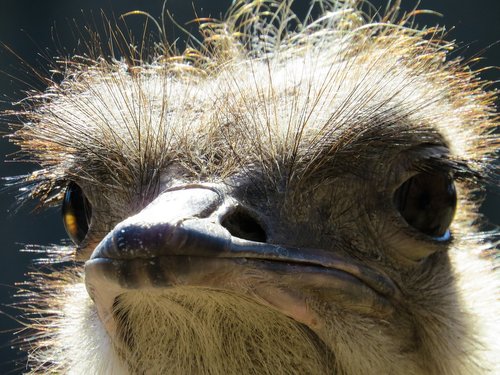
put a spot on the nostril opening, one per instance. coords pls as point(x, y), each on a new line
point(242, 225)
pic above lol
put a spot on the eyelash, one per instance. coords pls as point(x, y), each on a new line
point(458, 169)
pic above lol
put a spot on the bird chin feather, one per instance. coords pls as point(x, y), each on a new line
point(203, 331)
point(196, 331)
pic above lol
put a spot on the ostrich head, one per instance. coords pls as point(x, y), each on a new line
point(288, 197)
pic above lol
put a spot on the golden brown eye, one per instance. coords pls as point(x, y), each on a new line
point(77, 213)
point(427, 202)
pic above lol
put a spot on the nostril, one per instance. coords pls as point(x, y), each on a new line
point(241, 224)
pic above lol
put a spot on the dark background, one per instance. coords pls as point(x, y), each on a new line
point(27, 27)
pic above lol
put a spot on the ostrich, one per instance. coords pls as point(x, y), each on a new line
point(287, 197)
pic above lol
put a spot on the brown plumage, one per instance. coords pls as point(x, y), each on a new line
point(275, 200)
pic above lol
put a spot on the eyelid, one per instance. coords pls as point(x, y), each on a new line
point(46, 194)
point(457, 168)
point(429, 159)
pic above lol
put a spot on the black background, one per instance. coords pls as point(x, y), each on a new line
point(37, 29)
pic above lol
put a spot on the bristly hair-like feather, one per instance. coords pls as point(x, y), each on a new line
point(288, 102)
point(72, 130)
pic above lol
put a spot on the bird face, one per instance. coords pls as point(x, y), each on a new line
point(304, 199)
point(325, 222)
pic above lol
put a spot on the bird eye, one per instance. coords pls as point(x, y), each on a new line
point(77, 212)
point(427, 202)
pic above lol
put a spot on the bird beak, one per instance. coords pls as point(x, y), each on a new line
point(178, 241)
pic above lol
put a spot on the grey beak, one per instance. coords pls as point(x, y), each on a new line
point(178, 222)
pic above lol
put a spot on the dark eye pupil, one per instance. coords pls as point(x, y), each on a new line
point(427, 202)
point(77, 212)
